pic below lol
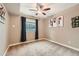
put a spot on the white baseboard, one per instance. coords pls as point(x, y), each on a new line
point(64, 45)
point(6, 51)
point(26, 42)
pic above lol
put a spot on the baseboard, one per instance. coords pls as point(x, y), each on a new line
point(25, 42)
point(6, 51)
point(64, 45)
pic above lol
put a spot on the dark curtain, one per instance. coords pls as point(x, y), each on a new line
point(36, 32)
point(23, 29)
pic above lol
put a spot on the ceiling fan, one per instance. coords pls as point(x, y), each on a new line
point(40, 8)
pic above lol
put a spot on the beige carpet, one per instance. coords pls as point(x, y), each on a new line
point(41, 48)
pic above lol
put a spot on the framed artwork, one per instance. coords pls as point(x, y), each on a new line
point(51, 23)
point(57, 22)
point(75, 22)
point(60, 21)
point(54, 22)
point(2, 14)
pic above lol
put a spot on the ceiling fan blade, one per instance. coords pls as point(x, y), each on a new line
point(36, 14)
point(32, 9)
point(44, 13)
point(40, 5)
point(46, 9)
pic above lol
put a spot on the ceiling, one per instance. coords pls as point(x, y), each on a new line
point(23, 8)
point(13, 8)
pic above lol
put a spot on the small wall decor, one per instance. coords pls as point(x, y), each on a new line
point(56, 22)
point(2, 14)
point(50, 23)
point(75, 22)
point(60, 21)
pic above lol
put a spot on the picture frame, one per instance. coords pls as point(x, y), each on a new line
point(75, 22)
point(2, 14)
point(56, 22)
point(51, 23)
point(60, 21)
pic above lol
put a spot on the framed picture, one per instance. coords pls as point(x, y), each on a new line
point(60, 21)
point(51, 23)
point(54, 22)
point(2, 19)
point(57, 22)
point(2, 14)
point(75, 22)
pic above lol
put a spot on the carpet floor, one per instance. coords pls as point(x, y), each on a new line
point(40, 48)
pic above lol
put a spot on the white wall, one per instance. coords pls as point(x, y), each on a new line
point(65, 35)
point(14, 29)
point(4, 35)
point(41, 28)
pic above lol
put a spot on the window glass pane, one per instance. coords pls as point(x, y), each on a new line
point(30, 25)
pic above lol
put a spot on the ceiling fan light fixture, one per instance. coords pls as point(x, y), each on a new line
point(39, 12)
point(41, 9)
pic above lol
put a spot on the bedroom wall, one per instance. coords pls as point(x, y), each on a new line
point(4, 34)
point(65, 35)
point(14, 29)
point(41, 28)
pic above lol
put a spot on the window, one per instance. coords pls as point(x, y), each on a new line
point(30, 25)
